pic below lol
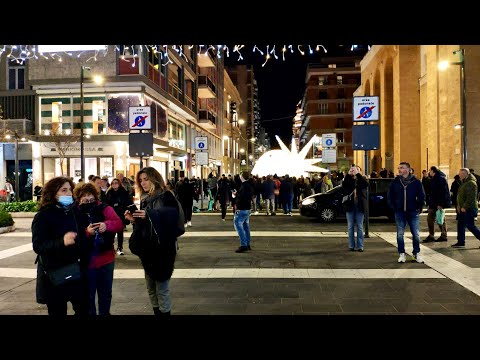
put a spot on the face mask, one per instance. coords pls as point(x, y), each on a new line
point(87, 208)
point(65, 200)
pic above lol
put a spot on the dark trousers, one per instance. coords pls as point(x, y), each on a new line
point(100, 281)
point(431, 217)
point(75, 292)
point(223, 207)
point(187, 210)
point(120, 240)
point(466, 220)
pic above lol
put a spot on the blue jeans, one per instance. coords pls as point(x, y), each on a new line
point(352, 217)
point(100, 281)
point(159, 294)
point(287, 203)
point(466, 219)
point(413, 219)
point(241, 222)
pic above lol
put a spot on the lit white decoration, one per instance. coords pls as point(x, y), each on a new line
point(284, 161)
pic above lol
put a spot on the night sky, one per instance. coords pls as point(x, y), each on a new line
point(281, 84)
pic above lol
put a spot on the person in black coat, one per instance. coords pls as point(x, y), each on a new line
point(119, 198)
point(355, 202)
point(59, 240)
point(154, 238)
point(438, 199)
point(185, 194)
point(454, 191)
point(223, 195)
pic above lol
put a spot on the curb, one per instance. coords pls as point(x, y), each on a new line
point(22, 215)
point(6, 229)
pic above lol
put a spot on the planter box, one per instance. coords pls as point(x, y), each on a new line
point(22, 214)
point(7, 229)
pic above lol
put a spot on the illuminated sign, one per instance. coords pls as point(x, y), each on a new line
point(66, 48)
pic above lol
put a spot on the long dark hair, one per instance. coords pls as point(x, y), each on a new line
point(155, 178)
point(51, 188)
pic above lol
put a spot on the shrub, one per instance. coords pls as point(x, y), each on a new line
point(28, 206)
point(5, 219)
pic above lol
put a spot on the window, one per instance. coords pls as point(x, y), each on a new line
point(341, 107)
point(176, 134)
point(322, 94)
point(98, 117)
point(340, 124)
point(340, 137)
point(339, 79)
point(341, 94)
point(57, 117)
point(323, 108)
point(16, 75)
point(322, 80)
point(332, 66)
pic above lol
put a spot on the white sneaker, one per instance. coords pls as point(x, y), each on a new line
point(256, 213)
point(189, 223)
point(185, 225)
point(419, 259)
point(120, 252)
point(401, 258)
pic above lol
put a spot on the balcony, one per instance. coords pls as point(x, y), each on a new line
point(206, 88)
point(18, 104)
point(207, 118)
point(205, 60)
point(21, 126)
point(175, 91)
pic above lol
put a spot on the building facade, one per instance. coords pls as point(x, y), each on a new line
point(421, 106)
point(327, 106)
point(182, 88)
point(231, 128)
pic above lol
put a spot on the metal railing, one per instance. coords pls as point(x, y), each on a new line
point(205, 80)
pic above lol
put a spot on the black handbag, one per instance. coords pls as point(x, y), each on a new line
point(65, 274)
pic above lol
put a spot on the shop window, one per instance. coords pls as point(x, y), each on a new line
point(57, 117)
point(98, 117)
point(118, 112)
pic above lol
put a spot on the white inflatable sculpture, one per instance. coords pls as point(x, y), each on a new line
point(284, 161)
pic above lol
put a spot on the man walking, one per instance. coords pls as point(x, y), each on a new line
point(242, 214)
point(438, 200)
point(467, 207)
point(406, 198)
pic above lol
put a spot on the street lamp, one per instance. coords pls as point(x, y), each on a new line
point(17, 171)
point(98, 80)
point(443, 65)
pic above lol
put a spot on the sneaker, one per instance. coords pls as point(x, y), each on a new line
point(185, 225)
point(401, 258)
point(429, 239)
point(249, 248)
point(458, 246)
point(189, 223)
point(441, 238)
point(290, 213)
point(255, 213)
point(361, 250)
point(120, 252)
point(241, 249)
point(418, 258)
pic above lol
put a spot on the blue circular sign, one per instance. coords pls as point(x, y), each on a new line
point(139, 121)
point(366, 112)
point(329, 142)
point(201, 145)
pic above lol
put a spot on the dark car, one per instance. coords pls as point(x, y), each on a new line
point(328, 206)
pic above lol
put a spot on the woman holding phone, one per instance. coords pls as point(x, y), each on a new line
point(154, 237)
point(355, 202)
point(101, 223)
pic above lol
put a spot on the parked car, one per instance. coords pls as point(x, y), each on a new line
point(328, 206)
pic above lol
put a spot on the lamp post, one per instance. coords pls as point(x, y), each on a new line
point(82, 153)
point(233, 112)
point(463, 91)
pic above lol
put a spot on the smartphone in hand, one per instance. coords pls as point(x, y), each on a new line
point(132, 208)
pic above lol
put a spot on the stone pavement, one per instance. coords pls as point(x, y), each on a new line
point(297, 266)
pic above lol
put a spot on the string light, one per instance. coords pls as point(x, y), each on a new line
point(130, 53)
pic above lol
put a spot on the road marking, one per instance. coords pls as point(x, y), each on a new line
point(460, 273)
point(15, 250)
point(259, 273)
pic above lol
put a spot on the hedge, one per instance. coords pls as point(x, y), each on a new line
point(27, 206)
point(5, 219)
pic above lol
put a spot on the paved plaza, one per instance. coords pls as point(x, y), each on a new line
point(297, 266)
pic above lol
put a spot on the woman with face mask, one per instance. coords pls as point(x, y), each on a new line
point(101, 224)
point(59, 241)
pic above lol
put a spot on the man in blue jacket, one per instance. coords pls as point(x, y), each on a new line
point(406, 198)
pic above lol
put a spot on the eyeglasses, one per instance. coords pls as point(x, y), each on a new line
point(87, 201)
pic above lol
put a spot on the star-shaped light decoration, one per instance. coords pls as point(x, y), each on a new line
point(284, 161)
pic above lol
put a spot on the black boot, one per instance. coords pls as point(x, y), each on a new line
point(164, 313)
point(156, 311)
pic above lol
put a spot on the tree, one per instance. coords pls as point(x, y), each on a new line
point(62, 143)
